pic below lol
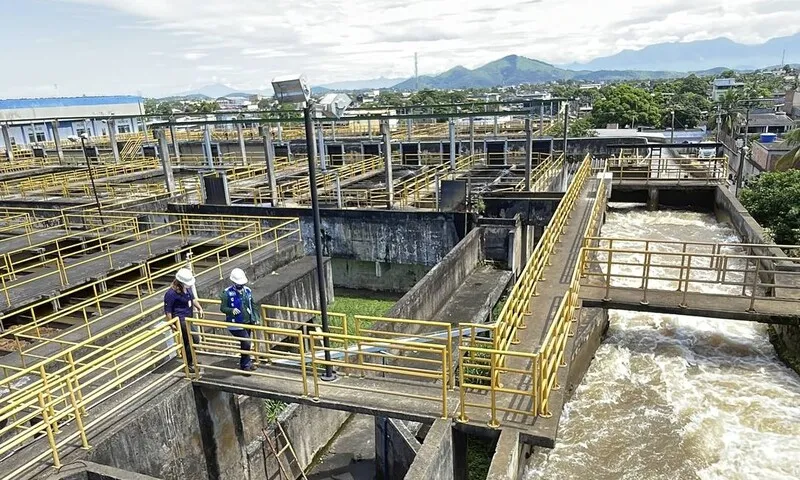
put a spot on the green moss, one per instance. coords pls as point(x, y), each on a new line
point(479, 457)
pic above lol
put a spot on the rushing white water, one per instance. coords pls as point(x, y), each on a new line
point(672, 397)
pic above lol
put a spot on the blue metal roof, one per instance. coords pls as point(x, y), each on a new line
point(12, 103)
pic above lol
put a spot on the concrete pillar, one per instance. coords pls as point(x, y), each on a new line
point(175, 147)
point(369, 129)
point(452, 127)
point(166, 163)
point(338, 191)
point(7, 143)
point(495, 126)
point(280, 133)
point(112, 137)
point(207, 146)
point(240, 134)
point(321, 146)
point(269, 155)
point(471, 136)
point(409, 128)
point(652, 199)
point(528, 153)
point(333, 131)
point(57, 141)
point(541, 120)
point(387, 155)
point(144, 127)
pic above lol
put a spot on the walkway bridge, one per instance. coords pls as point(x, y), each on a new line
point(506, 374)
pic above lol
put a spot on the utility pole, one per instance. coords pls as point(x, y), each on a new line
point(416, 72)
point(672, 132)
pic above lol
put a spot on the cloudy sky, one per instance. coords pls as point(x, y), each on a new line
point(157, 47)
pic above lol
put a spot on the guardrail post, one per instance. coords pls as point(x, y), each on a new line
point(78, 417)
point(753, 288)
point(49, 430)
point(494, 423)
point(462, 389)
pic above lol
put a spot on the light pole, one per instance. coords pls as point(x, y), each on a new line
point(294, 89)
point(672, 131)
point(91, 176)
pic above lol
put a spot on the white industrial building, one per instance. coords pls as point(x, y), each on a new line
point(30, 120)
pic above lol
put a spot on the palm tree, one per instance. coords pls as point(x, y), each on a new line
point(791, 159)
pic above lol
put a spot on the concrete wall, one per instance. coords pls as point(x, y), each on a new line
point(382, 277)
point(84, 470)
point(390, 236)
point(434, 458)
point(502, 241)
point(785, 338)
point(200, 433)
point(396, 448)
point(162, 440)
point(433, 291)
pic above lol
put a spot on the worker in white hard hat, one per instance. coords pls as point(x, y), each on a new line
point(236, 302)
point(180, 301)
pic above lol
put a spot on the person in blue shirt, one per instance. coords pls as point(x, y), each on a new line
point(180, 301)
point(236, 302)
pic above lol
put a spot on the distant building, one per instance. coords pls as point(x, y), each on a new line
point(26, 117)
point(791, 104)
point(722, 85)
point(766, 154)
point(778, 123)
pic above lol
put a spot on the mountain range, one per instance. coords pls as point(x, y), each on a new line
point(699, 55)
point(664, 60)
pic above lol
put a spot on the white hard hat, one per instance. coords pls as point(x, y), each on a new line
point(238, 277)
point(185, 276)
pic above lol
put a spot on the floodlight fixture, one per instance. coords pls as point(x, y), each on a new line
point(333, 105)
point(291, 89)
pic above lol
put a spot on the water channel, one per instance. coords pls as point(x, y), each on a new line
point(671, 397)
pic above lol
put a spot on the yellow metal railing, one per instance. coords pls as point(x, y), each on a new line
point(483, 360)
point(670, 170)
point(223, 237)
point(301, 350)
point(736, 269)
point(60, 391)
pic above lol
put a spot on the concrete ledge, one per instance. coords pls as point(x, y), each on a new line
point(83, 470)
point(506, 460)
point(435, 458)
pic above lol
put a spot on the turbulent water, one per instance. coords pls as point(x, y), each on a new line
point(671, 397)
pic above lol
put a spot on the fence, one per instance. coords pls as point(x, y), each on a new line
point(734, 269)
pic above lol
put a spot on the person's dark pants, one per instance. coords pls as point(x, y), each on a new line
point(244, 341)
point(187, 349)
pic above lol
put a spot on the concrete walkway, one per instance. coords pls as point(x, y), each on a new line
point(46, 281)
point(539, 430)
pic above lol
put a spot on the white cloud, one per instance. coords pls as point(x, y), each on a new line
point(194, 55)
point(334, 40)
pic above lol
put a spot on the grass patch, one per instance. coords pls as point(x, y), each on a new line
point(357, 302)
point(273, 409)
